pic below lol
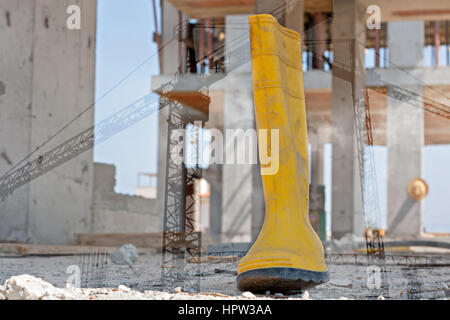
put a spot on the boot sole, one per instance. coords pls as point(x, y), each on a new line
point(280, 279)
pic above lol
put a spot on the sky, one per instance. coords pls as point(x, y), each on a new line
point(124, 41)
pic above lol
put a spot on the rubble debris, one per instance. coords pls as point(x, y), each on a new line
point(305, 295)
point(248, 295)
point(178, 290)
point(124, 288)
point(27, 287)
point(126, 254)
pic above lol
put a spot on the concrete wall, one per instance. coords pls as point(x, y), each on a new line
point(49, 72)
point(120, 213)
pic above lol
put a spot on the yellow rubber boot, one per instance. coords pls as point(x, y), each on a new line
point(288, 254)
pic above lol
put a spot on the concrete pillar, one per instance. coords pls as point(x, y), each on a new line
point(214, 173)
point(294, 18)
point(316, 160)
point(237, 202)
point(348, 24)
point(170, 19)
point(258, 202)
point(169, 67)
point(215, 205)
point(15, 118)
point(293, 15)
point(317, 215)
point(405, 133)
point(269, 6)
point(50, 74)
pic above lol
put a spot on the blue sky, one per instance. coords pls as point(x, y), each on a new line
point(124, 40)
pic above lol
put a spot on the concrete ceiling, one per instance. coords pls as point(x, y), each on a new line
point(391, 10)
point(199, 9)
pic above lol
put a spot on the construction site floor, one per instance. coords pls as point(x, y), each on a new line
point(218, 280)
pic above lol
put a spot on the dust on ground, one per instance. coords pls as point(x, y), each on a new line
point(218, 280)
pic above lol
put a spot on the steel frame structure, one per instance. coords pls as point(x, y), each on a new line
point(180, 240)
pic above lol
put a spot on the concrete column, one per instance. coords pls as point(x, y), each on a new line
point(214, 173)
point(169, 67)
point(50, 74)
point(258, 202)
point(170, 19)
point(317, 214)
point(237, 202)
point(215, 205)
point(63, 85)
point(294, 18)
point(348, 24)
point(268, 6)
point(16, 51)
point(405, 133)
point(316, 160)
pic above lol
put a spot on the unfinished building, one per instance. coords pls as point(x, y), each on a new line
point(369, 81)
